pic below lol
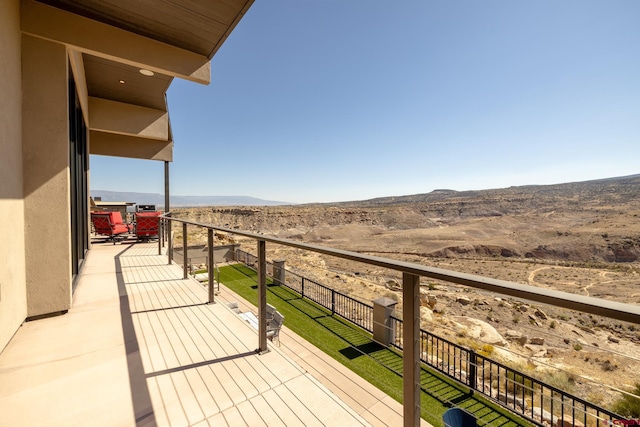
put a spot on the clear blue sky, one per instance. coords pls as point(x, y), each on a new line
point(335, 100)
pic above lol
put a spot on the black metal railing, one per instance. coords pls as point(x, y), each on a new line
point(349, 308)
point(512, 389)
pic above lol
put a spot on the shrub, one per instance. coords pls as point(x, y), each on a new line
point(629, 404)
point(518, 384)
point(486, 350)
point(563, 380)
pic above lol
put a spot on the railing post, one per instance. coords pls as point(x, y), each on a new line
point(472, 373)
point(262, 297)
point(210, 265)
point(279, 271)
point(383, 308)
point(185, 272)
point(170, 241)
point(160, 237)
point(302, 288)
point(411, 350)
point(333, 302)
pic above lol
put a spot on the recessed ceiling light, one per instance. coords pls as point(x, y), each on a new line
point(122, 81)
point(146, 72)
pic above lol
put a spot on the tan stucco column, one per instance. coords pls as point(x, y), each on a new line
point(46, 176)
point(13, 303)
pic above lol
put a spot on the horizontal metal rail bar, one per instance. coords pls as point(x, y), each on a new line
point(612, 309)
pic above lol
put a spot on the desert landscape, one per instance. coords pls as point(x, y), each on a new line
point(582, 238)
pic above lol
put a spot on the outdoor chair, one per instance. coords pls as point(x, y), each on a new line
point(147, 225)
point(456, 417)
point(273, 327)
point(271, 311)
point(110, 224)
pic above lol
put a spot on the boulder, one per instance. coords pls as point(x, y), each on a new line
point(512, 335)
point(426, 315)
point(537, 341)
point(543, 415)
point(541, 314)
point(533, 320)
point(439, 308)
point(480, 330)
point(432, 301)
point(463, 300)
point(536, 350)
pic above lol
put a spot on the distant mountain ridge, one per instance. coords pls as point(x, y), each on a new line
point(182, 201)
point(624, 186)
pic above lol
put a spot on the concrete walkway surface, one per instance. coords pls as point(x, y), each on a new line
point(140, 346)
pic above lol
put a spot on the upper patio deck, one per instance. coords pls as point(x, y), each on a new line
point(140, 346)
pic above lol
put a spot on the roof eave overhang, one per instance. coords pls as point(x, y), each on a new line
point(124, 127)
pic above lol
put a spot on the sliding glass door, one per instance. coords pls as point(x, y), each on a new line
point(78, 171)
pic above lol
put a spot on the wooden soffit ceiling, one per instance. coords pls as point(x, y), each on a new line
point(129, 51)
point(198, 26)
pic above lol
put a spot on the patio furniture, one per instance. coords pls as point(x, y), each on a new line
point(110, 224)
point(456, 417)
point(147, 225)
point(271, 311)
point(273, 327)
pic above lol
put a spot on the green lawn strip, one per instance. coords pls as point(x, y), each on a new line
point(350, 346)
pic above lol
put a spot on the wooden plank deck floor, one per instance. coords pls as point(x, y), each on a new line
point(141, 347)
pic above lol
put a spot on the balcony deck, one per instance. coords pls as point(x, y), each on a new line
point(141, 347)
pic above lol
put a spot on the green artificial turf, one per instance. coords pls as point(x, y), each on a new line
point(354, 348)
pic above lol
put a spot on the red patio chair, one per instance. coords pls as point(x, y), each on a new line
point(110, 224)
point(147, 225)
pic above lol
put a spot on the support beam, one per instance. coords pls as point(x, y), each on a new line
point(262, 297)
point(126, 119)
point(411, 349)
point(110, 144)
point(105, 41)
point(167, 197)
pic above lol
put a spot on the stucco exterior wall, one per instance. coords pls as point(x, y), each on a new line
point(46, 176)
point(13, 302)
